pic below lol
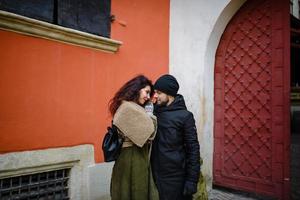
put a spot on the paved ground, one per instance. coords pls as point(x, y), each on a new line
point(225, 194)
point(295, 167)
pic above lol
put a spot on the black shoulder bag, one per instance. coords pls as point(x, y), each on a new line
point(112, 144)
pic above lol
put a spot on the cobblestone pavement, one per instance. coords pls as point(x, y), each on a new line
point(295, 167)
point(226, 194)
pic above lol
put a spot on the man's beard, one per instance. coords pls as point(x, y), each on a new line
point(164, 103)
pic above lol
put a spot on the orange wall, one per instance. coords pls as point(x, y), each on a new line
point(56, 95)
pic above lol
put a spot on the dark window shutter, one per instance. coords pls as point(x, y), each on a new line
point(36, 9)
point(91, 16)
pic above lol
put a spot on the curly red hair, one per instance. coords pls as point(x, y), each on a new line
point(130, 91)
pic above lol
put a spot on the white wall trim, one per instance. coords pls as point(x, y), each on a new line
point(196, 27)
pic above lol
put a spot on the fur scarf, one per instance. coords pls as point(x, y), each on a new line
point(134, 123)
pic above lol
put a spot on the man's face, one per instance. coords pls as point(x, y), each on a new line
point(162, 99)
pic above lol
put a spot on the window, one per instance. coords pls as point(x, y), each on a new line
point(91, 16)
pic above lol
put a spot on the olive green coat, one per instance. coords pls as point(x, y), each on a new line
point(131, 177)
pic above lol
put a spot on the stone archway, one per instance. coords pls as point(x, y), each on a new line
point(208, 84)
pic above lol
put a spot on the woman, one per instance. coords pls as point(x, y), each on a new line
point(131, 177)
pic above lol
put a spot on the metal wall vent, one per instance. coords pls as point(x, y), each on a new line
point(45, 185)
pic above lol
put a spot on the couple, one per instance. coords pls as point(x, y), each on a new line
point(170, 137)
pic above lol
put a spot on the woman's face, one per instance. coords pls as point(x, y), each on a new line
point(144, 95)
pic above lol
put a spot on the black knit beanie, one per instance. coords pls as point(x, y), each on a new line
point(167, 84)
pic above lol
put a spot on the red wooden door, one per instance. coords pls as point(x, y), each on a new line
point(251, 121)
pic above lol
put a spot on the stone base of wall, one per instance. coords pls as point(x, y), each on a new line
point(78, 158)
point(99, 181)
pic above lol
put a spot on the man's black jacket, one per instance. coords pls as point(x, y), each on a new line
point(175, 157)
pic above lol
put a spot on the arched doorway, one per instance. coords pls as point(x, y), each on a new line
point(251, 117)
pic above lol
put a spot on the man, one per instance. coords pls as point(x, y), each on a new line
point(175, 157)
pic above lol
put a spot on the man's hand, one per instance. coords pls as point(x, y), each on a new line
point(189, 188)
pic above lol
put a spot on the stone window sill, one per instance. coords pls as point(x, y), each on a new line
point(36, 28)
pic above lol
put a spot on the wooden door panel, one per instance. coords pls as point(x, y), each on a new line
point(249, 125)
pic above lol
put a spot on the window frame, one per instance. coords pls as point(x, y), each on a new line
point(28, 26)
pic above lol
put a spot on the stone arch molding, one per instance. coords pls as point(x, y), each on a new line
point(208, 82)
